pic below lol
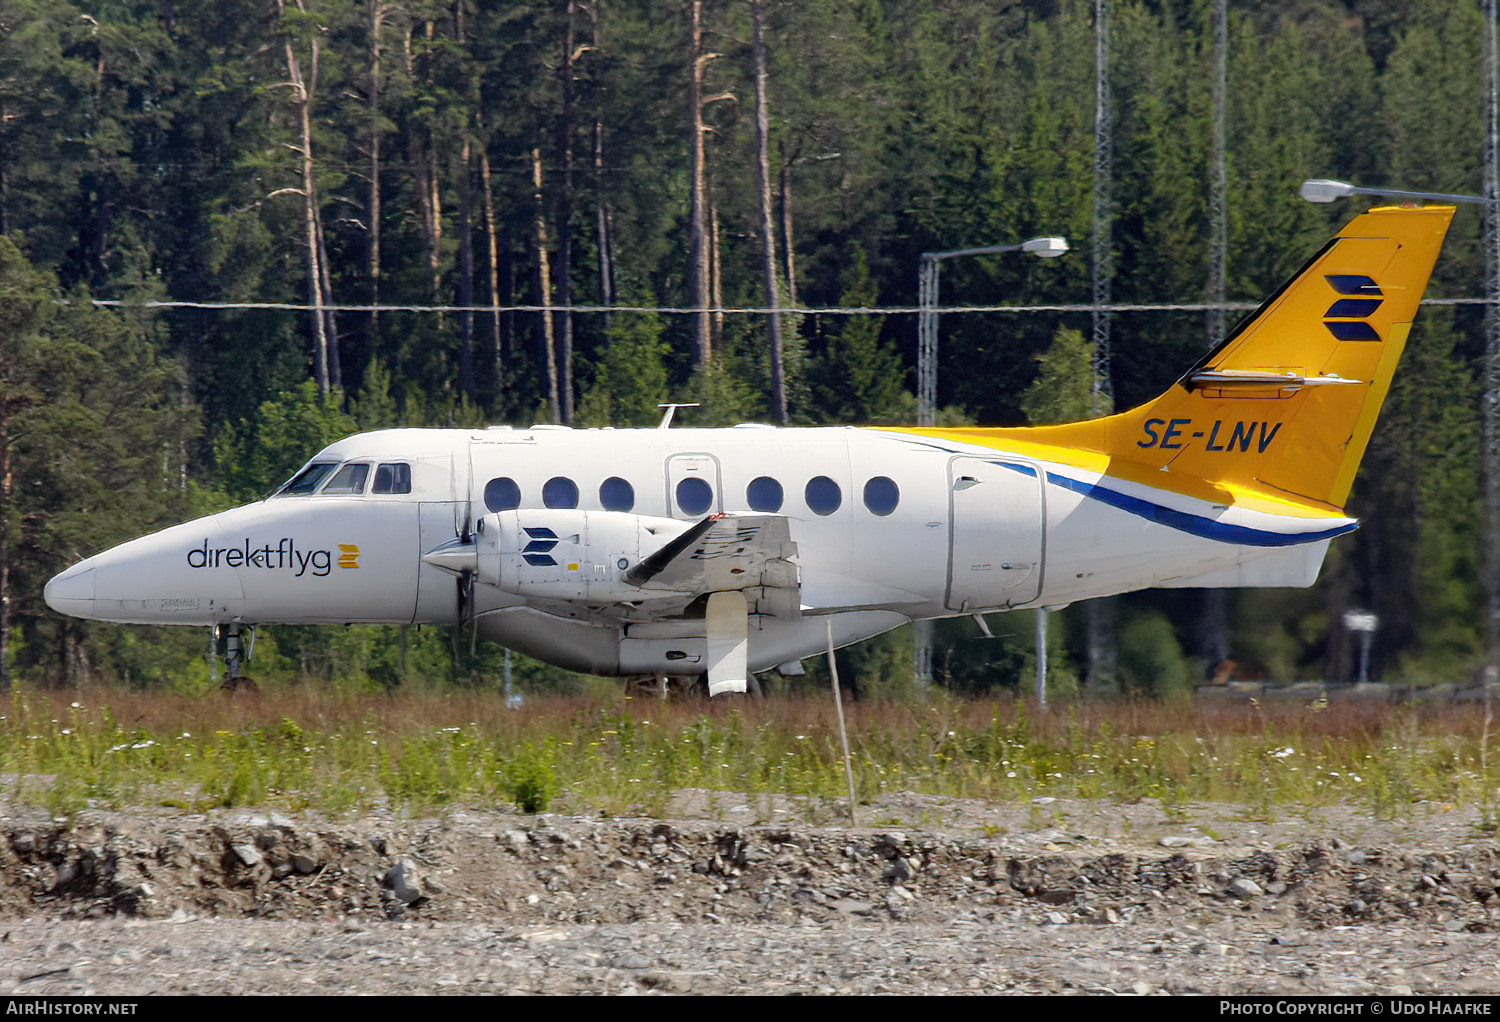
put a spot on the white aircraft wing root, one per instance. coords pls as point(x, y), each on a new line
point(748, 554)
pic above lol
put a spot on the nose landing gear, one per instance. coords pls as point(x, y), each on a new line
point(235, 656)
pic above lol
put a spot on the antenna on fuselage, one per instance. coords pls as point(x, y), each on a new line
point(666, 420)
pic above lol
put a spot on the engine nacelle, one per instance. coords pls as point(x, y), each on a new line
point(569, 554)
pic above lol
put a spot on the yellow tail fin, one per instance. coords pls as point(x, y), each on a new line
point(1286, 404)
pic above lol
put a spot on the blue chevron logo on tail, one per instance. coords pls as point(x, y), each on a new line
point(1345, 311)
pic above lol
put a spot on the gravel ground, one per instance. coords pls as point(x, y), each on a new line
point(743, 895)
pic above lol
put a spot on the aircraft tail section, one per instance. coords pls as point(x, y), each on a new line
point(1289, 400)
point(1286, 404)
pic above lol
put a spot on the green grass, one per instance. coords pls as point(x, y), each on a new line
point(339, 754)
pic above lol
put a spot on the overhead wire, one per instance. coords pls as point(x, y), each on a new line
point(839, 310)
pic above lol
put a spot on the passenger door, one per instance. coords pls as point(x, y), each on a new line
point(995, 549)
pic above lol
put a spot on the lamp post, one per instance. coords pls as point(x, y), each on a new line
point(1325, 190)
point(928, 282)
point(1364, 623)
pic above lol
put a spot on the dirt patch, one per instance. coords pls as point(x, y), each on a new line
point(729, 869)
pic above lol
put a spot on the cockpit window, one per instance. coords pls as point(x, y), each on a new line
point(307, 480)
point(392, 478)
point(349, 479)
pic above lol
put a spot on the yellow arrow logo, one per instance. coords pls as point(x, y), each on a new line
point(348, 555)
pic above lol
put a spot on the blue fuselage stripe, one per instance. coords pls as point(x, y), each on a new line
point(1195, 525)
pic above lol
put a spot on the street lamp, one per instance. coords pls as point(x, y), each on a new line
point(1365, 623)
point(927, 317)
point(1325, 190)
point(927, 340)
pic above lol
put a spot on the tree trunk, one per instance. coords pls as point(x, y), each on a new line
point(715, 276)
point(434, 221)
point(430, 200)
point(767, 230)
point(698, 255)
point(331, 329)
point(565, 221)
point(302, 92)
point(544, 288)
point(603, 231)
point(466, 270)
point(372, 206)
point(492, 234)
point(786, 228)
point(603, 222)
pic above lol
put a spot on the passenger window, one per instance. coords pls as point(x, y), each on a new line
point(392, 478)
point(616, 494)
point(349, 479)
point(823, 495)
point(502, 494)
point(694, 495)
point(307, 480)
point(882, 495)
point(764, 494)
point(559, 492)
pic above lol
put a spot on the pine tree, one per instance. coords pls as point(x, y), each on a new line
point(859, 378)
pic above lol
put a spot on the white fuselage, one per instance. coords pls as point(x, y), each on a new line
point(888, 527)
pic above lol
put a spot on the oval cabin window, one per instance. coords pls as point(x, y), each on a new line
point(559, 492)
point(616, 494)
point(694, 495)
point(823, 495)
point(764, 494)
point(502, 494)
point(882, 495)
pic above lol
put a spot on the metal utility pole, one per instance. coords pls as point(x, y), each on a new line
point(1041, 657)
point(1101, 613)
point(1214, 624)
point(1103, 263)
point(1218, 190)
point(927, 325)
point(1363, 623)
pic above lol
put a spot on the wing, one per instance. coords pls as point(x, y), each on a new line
point(746, 553)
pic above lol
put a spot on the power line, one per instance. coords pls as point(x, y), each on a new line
point(841, 310)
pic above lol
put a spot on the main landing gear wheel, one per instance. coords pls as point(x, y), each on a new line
point(681, 686)
point(665, 686)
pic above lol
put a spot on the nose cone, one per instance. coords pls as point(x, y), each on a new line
point(157, 579)
point(72, 592)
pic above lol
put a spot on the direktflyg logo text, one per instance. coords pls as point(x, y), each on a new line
point(284, 556)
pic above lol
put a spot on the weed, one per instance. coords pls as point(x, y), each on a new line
point(340, 753)
point(531, 780)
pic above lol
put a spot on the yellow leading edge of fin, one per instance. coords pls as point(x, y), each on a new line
point(1280, 413)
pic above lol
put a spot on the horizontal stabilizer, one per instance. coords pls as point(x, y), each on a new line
point(1291, 566)
point(1266, 379)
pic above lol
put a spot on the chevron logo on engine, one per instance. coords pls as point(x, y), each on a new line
point(536, 552)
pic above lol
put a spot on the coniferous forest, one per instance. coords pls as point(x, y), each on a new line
point(368, 213)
